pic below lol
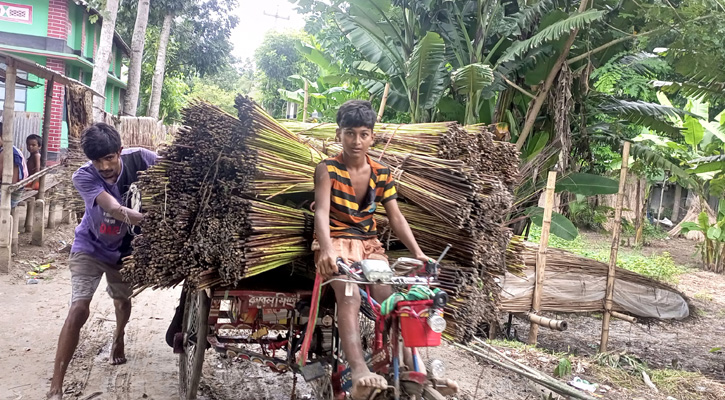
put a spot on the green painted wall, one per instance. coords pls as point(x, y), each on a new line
point(39, 27)
point(90, 30)
point(76, 16)
point(119, 58)
point(36, 95)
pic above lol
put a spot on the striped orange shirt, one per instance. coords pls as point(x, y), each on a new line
point(351, 220)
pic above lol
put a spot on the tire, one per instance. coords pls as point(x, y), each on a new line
point(195, 327)
point(431, 394)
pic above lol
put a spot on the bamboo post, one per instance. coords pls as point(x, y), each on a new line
point(29, 214)
point(541, 255)
point(640, 211)
point(14, 214)
point(662, 196)
point(678, 200)
point(6, 223)
point(39, 228)
point(304, 105)
point(383, 101)
point(615, 248)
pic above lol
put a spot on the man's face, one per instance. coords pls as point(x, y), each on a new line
point(109, 167)
point(33, 146)
point(356, 141)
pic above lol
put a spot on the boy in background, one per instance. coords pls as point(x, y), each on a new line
point(33, 143)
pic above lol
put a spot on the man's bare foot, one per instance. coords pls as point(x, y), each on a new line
point(118, 355)
point(446, 387)
point(365, 383)
point(54, 395)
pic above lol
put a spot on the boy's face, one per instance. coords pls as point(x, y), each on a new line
point(356, 141)
point(109, 166)
point(33, 146)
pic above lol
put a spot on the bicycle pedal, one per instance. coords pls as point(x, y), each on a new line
point(312, 371)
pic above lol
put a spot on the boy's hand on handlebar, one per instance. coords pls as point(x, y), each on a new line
point(423, 258)
point(327, 264)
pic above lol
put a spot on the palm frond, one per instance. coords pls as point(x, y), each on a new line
point(604, 134)
point(651, 115)
point(551, 33)
point(524, 20)
point(713, 92)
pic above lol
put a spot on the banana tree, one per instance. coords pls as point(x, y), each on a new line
point(403, 52)
point(322, 96)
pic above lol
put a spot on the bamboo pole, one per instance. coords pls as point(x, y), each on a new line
point(6, 223)
point(39, 229)
point(541, 255)
point(555, 324)
point(624, 317)
point(639, 213)
point(678, 200)
point(615, 248)
point(662, 196)
point(383, 101)
point(304, 105)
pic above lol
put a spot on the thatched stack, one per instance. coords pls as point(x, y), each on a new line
point(577, 284)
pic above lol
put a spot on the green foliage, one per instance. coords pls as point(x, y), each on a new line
point(583, 215)
point(470, 80)
point(563, 369)
point(277, 58)
point(211, 93)
point(587, 184)
point(560, 225)
point(550, 33)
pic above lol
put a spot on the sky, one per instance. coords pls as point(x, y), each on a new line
point(253, 23)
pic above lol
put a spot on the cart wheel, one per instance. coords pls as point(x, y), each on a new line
point(194, 330)
point(431, 394)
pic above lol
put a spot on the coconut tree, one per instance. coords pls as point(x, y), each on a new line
point(103, 56)
point(134, 67)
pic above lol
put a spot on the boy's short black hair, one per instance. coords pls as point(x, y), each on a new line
point(356, 113)
point(100, 140)
point(35, 137)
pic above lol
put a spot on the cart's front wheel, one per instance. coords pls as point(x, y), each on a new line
point(194, 330)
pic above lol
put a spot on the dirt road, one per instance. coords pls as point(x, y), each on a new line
point(31, 319)
point(32, 316)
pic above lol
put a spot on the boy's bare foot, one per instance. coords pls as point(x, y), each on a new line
point(446, 387)
point(53, 395)
point(118, 355)
point(365, 383)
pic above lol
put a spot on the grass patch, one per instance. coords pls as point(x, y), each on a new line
point(624, 370)
point(703, 296)
point(517, 345)
point(661, 267)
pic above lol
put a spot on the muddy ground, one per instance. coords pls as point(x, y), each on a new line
point(33, 315)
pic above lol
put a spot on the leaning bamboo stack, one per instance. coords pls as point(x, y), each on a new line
point(208, 220)
point(216, 214)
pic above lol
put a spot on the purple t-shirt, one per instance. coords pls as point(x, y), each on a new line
point(99, 234)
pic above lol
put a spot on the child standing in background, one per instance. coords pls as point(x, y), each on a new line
point(33, 143)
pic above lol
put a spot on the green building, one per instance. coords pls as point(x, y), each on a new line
point(62, 35)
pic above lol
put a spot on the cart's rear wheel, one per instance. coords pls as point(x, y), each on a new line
point(194, 330)
point(431, 394)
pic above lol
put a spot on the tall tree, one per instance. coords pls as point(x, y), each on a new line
point(158, 81)
point(137, 46)
point(103, 56)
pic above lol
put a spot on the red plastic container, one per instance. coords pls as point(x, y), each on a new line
point(414, 324)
